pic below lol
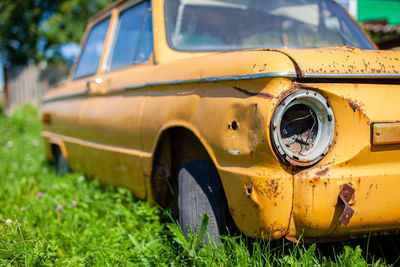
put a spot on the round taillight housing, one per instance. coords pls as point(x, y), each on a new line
point(302, 128)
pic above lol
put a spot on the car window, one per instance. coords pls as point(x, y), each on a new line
point(146, 41)
point(133, 42)
point(92, 50)
point(222, 25)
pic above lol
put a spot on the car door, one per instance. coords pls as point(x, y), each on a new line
point(64, 104)
point(111, 117)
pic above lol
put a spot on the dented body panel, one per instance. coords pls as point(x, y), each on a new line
point(371, 170)
point(117, 129)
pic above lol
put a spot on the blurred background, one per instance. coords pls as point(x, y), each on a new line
point(39, 40)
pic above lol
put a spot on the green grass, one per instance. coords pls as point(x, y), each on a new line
point(49, 220)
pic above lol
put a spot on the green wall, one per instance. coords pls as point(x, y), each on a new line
point(379, 9)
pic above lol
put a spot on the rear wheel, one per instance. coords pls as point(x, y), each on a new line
point(200, 192)
point(60, 162)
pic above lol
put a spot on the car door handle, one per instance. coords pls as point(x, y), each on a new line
point(90, 83)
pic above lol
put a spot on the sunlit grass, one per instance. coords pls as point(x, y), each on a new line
point(50, 220)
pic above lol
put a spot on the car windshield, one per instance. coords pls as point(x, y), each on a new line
point(223, 25)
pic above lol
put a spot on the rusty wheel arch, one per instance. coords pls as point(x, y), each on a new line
point(175, 146)
point(57, 146)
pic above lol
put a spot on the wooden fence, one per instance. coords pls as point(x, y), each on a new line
point(27, 84)
point(1, 93)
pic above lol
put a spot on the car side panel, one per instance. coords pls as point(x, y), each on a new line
point(111, 118)
point(258, 190)
point(63, 115)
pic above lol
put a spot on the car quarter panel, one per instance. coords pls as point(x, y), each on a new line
point(258, 190)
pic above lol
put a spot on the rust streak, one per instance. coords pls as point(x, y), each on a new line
point(321, 172)
point(262, 95)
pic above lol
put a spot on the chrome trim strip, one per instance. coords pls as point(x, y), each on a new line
point(95, 145)
point(64, 97)
point(241, 77)
point(217, 79)
point(350, 76)
point(176, 82)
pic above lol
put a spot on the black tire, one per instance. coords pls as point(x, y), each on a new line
point(60, 162)
point(200, 192)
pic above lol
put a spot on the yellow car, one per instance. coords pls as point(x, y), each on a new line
point(280, 115)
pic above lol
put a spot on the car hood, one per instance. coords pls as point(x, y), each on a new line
point(344, 62)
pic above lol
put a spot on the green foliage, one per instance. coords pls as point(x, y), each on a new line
point(40, 223)
point(382, 37)
point(34, 29)
point(70, 20)
point(22, 118)
point(47, 220)
point(190, 245)
point(19, 31)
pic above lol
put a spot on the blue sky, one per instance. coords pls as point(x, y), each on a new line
point(70, 50)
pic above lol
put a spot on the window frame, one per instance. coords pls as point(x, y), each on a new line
point(91, 25)
point(113, 38)
point(176, 49)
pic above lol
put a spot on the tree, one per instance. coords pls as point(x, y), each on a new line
point(34, 30)
point(70, 19)
point(19, 31)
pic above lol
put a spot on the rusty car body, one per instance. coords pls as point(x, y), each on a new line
point(334, 176)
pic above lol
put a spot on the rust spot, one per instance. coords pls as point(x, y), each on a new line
point(354, 106)
point(346, 194)
point(272, 189)
point(255, 106)
point(321, 172)
point(248, 93)
point(260, 68)
point(295, 86)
